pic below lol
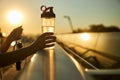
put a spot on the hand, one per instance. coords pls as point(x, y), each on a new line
point(16, 34)
point(45, 40)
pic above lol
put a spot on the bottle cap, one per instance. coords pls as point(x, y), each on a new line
point(47, 12)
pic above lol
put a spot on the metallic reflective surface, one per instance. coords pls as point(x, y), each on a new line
point(52, 64)
point(104, 42)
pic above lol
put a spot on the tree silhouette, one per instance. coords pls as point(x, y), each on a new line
point(102, 28)
point(99, 28)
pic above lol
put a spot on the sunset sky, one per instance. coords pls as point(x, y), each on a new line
point(82, 13)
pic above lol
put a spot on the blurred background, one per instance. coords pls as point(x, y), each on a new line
point(81, 13)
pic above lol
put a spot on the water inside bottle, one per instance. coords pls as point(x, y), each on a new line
point(48, 29)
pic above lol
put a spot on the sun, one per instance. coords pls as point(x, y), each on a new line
point(15, 17)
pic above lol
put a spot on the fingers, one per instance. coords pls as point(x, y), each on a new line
point(49, 45)
point(19, 36)
point(16, 33)
point(45, 40)
point(48, 39)
point(47, 34)
point(17, 30)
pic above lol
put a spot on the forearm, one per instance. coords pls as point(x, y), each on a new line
point(15, 56)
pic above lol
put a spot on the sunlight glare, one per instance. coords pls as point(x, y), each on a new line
point(85, 36)
point(14, 17)
point(33, 58)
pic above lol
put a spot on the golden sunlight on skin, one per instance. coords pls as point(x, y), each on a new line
point(14, 17)
point(85, 36)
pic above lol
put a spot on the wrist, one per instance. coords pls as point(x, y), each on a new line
point(34, 47)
